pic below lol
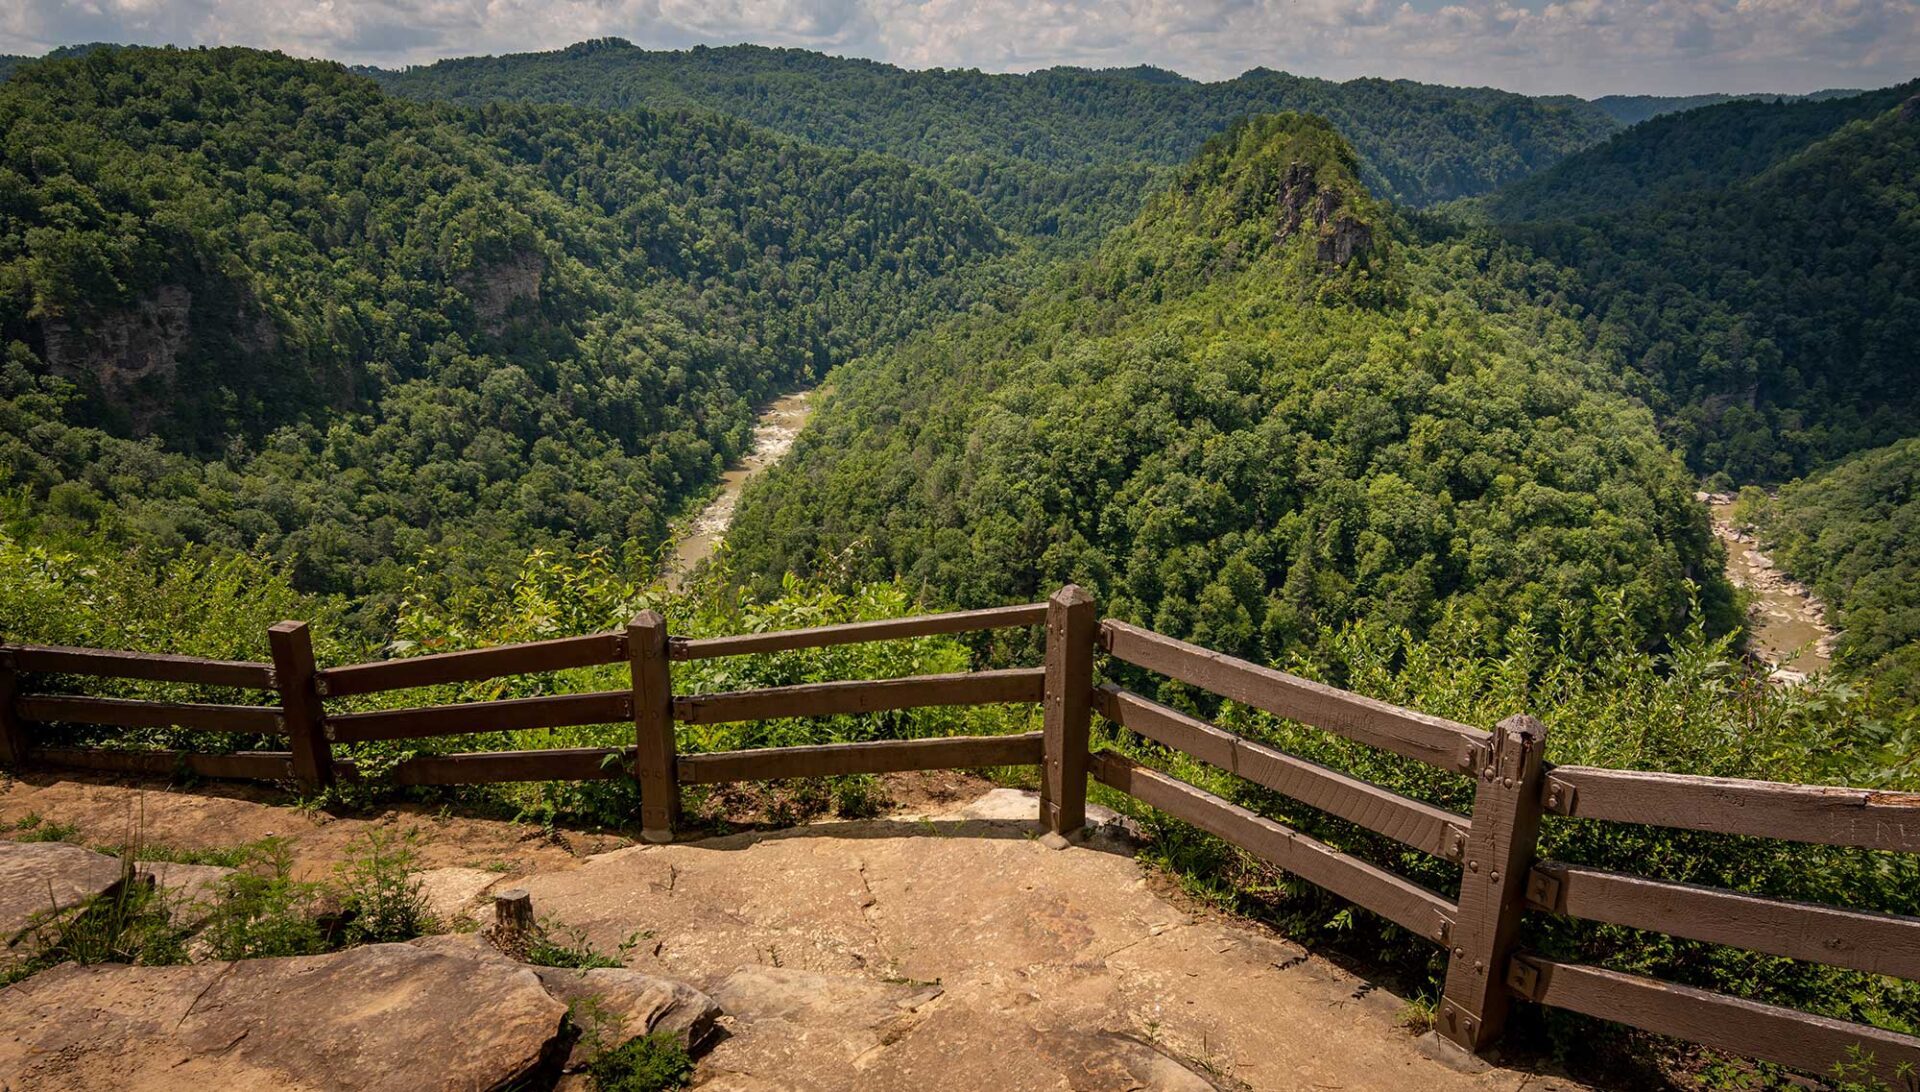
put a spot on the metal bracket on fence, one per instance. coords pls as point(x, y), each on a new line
point(320, 685)
point(1443, 929)
point(1456, 844)
point(1543, 890)
point(1523, 978)
point(620, 646)
point(1558, 796)
point(1476, 757)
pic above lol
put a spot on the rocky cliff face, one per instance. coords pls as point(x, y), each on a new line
point(1303, 202)
point(118, 349)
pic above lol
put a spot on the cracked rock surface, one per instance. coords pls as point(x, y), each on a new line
point(384, 1016)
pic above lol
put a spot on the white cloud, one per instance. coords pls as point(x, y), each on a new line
point(1581, 46)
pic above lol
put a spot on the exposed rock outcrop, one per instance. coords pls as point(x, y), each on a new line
point(386, 1016)
point(38, 879)
point(118, 349)
point(495, 288)
point(1303, 202)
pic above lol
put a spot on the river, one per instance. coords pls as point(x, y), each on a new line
point(773, 435)
point(1786, 623)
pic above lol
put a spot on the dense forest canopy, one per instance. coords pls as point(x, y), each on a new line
point(1064, 151)
point(1776, 315)
point(1634, 109)
point(1677, 154)
point(1853, 532)
point(258, 304)
point(1262, 409)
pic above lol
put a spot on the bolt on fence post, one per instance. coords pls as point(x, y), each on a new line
point(1500, 853)
point(294, 676)
point(1067, 711)
point(13, 733)
point(654, 763)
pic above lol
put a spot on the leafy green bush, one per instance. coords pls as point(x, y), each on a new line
point(650, 1063)
point(380, 895)
point(261, 910)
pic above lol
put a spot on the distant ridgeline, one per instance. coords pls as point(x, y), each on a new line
point(1259, 411)
point(258, 304)
point(1062, 152)
point(1759, 263)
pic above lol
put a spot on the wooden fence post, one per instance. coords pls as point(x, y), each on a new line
point(1500, 853)
point(1067, 712)
point(654, 765)
point(295, 677)
point(13, 733)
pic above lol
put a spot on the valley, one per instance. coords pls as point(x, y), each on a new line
point(1405, 389)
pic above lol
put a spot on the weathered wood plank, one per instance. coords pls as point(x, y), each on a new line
point(1401, 901)
point(881, 756)
point(157, 666)
point(300, 706)
point(1823, 814)
point(512, 715)
point(1412, 822)
point(1864, 940)
point(1433, 740)
point(655, 747)
point(127, 713)
point(481, 767)
point(244, 766)
point(474, 664)
point(1067, 710)
point(862, 696)
point(1493, 887)
point(891, 629)
point(14, 741)
point(1767, 1032)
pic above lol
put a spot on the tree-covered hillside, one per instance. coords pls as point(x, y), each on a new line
point(1261, 410)
point(1778, 315)
point(259, 304)
point(1634, 109)
point(1062, 151)
point(1677, 154)
point(1853, 533)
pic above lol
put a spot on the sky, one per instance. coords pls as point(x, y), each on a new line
point(1583, 47)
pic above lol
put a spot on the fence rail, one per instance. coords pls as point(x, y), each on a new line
point(1495, 847)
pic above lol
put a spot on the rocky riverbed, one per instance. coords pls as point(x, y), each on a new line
point(773, 436)
point(1787, 623)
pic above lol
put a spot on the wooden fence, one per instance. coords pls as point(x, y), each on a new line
point(1502, 880)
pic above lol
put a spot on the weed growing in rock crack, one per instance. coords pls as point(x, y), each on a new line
point(261, 910)
point(594, 1024)
point(651, 1063)
point(1417, 1015)
point(380, 896)
point(574, 951)
point(130, 924)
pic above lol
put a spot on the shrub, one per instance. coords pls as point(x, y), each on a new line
point(262, 911)
point(380, 896)
point(651, 1063)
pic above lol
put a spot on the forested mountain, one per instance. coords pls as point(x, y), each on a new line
point(1776, 316)
point(1634, 109)
point(1262, 409)
point(1063, 151)
point(1853, 532)
point(1677, 154)
point(258, 304)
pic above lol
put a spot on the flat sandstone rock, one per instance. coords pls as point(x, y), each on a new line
point(37, 878)
point(381, 1017)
